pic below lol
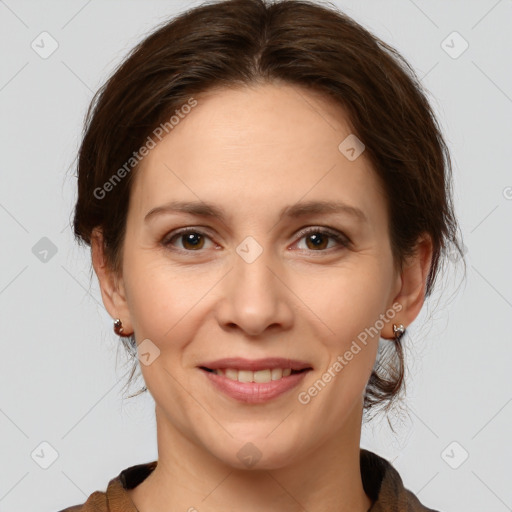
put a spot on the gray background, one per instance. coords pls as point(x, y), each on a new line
point(61, 369)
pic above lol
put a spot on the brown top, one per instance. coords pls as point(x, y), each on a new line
point(381, 482)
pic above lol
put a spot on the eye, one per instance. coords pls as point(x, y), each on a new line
point(317, 238)
point(191, 238)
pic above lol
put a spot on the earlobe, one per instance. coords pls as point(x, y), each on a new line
point(413, 277)
point(111, 286)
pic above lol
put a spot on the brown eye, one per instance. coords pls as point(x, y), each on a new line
point(191, 240)
point(317, 240)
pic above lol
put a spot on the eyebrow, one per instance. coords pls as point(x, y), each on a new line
point(209, 210)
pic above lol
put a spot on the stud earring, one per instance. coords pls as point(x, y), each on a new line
point(118, 328)
point(398, 331)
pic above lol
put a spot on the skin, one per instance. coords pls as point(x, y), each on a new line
point(252, 151)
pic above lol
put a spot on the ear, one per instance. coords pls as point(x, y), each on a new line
point(111, 285)
point(411, 285)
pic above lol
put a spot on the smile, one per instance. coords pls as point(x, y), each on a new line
point(254, 387)
point(261, 376)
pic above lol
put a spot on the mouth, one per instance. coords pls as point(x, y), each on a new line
point(261, 376)
point(254, 381)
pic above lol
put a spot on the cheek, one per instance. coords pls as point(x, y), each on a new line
point(163, 299)
point(343, 302)
point(350, 308)
point(156, 306)
point(345, 308)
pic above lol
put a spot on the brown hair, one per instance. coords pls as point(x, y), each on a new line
point(241, 42)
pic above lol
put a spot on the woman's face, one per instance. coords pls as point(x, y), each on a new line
point(270, 279)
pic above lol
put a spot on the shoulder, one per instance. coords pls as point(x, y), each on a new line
point(383, 484)
point(96, 502)
point(116, 499)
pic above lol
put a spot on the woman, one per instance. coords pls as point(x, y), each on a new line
point(266, 193)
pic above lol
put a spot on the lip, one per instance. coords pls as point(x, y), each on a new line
point(254, 365)
point(254, 392)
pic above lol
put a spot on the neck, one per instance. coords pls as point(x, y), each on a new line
point(189, 478)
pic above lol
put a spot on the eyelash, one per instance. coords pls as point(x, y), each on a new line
point(338, 237)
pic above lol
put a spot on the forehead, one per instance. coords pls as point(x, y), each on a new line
point(255, 147)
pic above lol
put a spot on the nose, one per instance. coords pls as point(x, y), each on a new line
point(255, 296)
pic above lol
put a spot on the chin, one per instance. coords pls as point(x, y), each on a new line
point(260, 453)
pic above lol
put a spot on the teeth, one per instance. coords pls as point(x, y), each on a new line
point(230, 373)
point(260, 376)
point(277, 373)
